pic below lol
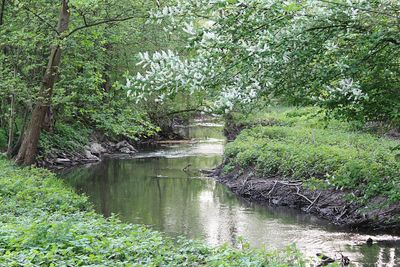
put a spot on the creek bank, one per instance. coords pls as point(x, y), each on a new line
point(93, 152)
point(101, 146)
point(327, 204)
point(45, 223)
point(245, 165)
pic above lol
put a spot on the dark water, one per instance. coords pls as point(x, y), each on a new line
point(163, 188)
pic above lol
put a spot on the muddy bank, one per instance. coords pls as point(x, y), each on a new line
point(331, 205)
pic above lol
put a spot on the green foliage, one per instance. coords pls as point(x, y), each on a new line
point(44, 223)
point(3, 138)
point(65, 138)
point(340, 55)
point(127, 124)
point(281, 115)
point(180, 106)
point(326, 156)
point(99, 47)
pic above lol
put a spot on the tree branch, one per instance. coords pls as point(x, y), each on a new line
point(83, 17)
point(391, 40)
point(337, 26)
point(42, 20)
point(359, 8)
point(182, 111)
point(102, 22)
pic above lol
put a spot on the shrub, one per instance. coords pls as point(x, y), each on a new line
point(3, 138)
point(65, 137)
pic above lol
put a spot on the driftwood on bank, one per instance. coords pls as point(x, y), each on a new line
point(176, 142)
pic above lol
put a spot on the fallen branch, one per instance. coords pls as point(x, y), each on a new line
point(344, 211)
point(315, 200)
point(292, 183)
point(270, 191)
point(245, 181)
point(175, 142)
point(303, 196)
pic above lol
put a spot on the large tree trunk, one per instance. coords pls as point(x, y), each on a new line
point(27, 152)
point(2, 112)
point(48, 124)
point(2, 11)
point(18, 144)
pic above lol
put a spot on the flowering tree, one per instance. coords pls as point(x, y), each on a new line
point(343, 55)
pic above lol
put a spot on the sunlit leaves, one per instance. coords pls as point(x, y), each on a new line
point(299, 51)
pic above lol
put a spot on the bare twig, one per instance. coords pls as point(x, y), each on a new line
point(291, 183)
point(344, 211)
point(245, 181)
point(303, 196)
point(270, 191)
point(315, 200)
point(42, 20)
point(97, 23)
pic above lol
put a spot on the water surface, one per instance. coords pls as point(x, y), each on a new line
point(163, 187)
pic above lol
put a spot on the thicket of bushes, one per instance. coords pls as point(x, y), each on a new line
point(44, 223)
point(69, 138)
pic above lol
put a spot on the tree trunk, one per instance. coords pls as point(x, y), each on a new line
point(3, 7)
point(27, 152)
point(48, 124)
point(11, 126)
point(2, 113)
point(107, 84)
point(15, 149)
point(2, 12)
point(3, 103)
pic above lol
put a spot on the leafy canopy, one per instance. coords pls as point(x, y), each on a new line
point(341, 55)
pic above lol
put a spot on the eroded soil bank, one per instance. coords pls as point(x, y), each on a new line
point(326, 204)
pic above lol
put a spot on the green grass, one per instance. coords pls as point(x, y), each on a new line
point(325, 155)
point(312, 117)
point(44, 223)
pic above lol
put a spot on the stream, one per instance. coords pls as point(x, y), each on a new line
point(162, 187)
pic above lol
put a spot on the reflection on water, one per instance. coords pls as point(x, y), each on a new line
point(163, 188)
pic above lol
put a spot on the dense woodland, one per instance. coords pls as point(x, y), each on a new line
point(76, 63)
point(63, 66)
point(129, 69)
